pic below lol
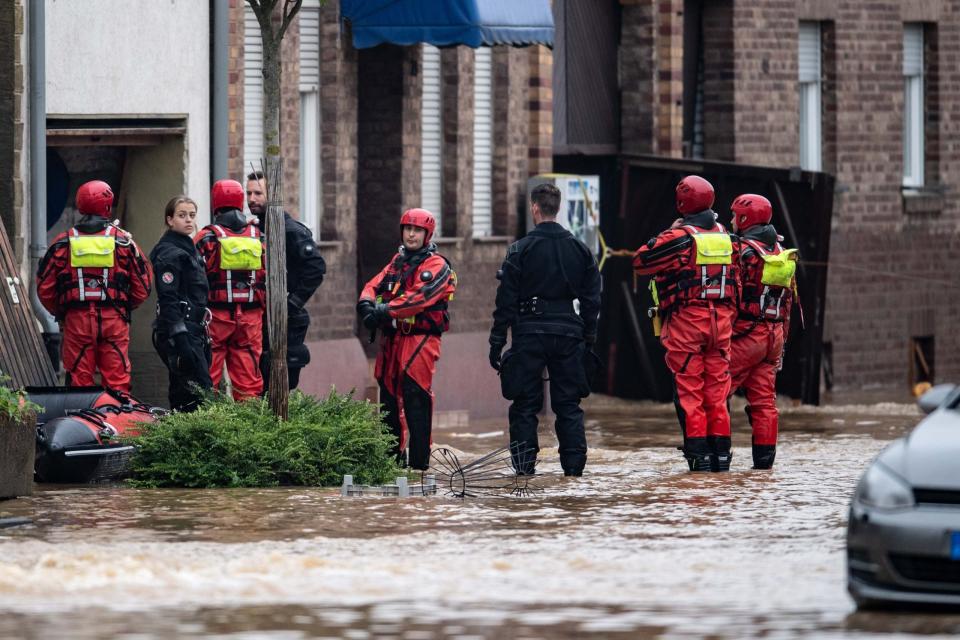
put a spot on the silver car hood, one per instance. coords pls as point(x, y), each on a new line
point(930, 456)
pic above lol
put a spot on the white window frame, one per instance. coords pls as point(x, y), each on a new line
point(431, 135)
point(311, 185)
point(811, 114)
point(913, 111)
point(483, 142)
point(252, 92)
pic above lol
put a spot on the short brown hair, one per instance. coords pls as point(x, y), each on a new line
point(547, 197)
point(171, 207)
point(255, 175)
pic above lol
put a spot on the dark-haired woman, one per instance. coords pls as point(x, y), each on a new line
point(180, 331)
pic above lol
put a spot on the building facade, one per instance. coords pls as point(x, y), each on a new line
point(368, 133)
point(863, 90)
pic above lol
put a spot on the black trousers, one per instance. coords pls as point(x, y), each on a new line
point(562, 357)
point(298, 355)
point(418, 408)
point(189, 373)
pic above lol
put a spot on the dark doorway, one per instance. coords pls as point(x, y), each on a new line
point(380, 155)
point(921, 360)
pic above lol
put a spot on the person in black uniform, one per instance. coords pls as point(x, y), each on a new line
point(180, 332)
point(542, 275)
point(305, 271)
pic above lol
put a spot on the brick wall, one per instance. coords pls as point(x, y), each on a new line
point(235, 92)
point(511, 128)
point(637, 73)
point(290, 117)
point(380, 125)
point(891, 253)
point(719, 131)
point(669, 79)
point(332, 307)
point(456, 77)
point(540, 106)
point(14, 137)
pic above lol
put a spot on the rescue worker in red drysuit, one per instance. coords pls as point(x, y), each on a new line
point(767, 276)
point(695, 269)
point(91, 279)
point(232, 248)
point(407, 301)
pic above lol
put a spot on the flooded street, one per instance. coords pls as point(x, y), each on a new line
point(636, 548)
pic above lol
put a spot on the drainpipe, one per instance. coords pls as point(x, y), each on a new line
point(219, 106)
point(38, 173)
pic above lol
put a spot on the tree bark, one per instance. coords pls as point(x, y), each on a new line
point(271, 33)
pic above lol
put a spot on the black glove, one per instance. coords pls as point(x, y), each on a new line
point(186, 356)
point(365, 309)
point(294, 305)
point(496, 348)
point(380, 313)
point(370, 321)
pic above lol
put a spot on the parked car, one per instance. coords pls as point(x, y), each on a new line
point(903, 533)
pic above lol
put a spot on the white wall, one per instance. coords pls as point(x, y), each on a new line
point(130, 58)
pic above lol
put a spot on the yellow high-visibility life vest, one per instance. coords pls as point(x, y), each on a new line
point(240, 253)
point(779, 269)
point(92, 251)
point(713, 248)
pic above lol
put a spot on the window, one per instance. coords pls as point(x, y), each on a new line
point(310, 183)
point(252, 91)
point(431, 143)
point(483, 142)
point(913, 151)
point(810, 114)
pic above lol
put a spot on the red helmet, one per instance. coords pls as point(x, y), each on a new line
point(750, 209)
point(226, 194)
point(95, 198)
point(419, 218)
point(694, 194)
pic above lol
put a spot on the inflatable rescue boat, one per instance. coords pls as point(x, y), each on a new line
point(80, 432)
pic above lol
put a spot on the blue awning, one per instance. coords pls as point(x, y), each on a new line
point(443, 23)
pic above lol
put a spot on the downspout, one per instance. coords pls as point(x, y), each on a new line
point(38, 173)
point(219, 106)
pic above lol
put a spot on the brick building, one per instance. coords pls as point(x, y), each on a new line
point(372, 131)
point(864, 90)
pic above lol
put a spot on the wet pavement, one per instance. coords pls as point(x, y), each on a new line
point(637, 548)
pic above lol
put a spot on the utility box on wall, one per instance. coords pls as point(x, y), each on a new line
point(579, 205)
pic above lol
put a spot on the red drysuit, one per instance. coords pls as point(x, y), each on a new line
point(236, 301)
point(91, 290)
point(415, 287)
point(698, 304)
point(757, 346)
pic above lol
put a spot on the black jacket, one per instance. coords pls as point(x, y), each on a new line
point(552, 265)
point(305, 265)
point(181, 279)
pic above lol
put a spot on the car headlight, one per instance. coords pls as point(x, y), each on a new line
point(883, 489)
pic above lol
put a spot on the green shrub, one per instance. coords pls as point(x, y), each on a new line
point(13, 402)
point(228, 444)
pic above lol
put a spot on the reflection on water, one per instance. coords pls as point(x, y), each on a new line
point(637, 548)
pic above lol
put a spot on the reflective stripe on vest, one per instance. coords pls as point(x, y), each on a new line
point(92, 251)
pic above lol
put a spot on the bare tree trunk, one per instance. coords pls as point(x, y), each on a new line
point(279, 391)
point(271, 33)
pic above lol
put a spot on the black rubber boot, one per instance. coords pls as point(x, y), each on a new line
point(697, 453)
point(763, 455)
point(720, 454)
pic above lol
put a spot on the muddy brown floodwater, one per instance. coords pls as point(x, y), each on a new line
point(636, 548)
